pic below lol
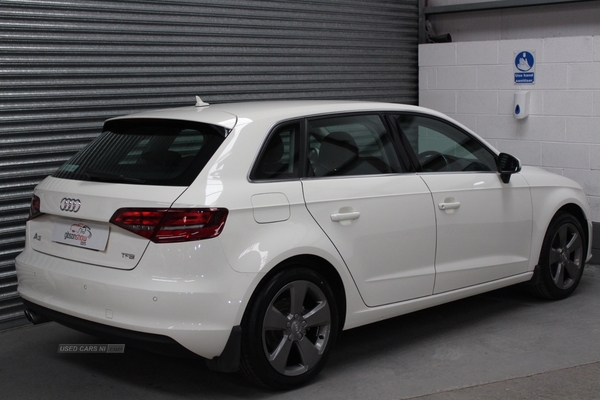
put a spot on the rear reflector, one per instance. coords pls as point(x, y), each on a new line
point(172, 225)
point(35, 207)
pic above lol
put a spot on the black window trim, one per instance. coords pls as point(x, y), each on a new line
point(400, 143)
point(401, 148)
point(262, 148)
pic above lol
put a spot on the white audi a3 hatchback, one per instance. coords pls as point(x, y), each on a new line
point(251, 234)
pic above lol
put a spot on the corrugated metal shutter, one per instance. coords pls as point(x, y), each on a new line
point(67, 66)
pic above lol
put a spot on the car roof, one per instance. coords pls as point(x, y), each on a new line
point(227, 114)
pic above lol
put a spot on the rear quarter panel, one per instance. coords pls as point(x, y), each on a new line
point(252, 244)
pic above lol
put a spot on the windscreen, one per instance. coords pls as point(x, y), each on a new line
point(146, 151)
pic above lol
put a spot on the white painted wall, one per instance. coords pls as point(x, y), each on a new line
point(473, 82)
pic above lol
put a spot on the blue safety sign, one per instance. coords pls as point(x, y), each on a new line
point(524, 67)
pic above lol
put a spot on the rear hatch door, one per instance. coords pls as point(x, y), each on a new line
point(75, 220)
point(140, 163)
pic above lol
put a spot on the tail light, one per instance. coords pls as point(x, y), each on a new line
point(172, 225)
point(35, 207)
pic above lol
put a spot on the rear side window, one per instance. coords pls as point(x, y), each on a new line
point(279, 158)
point(146, 151)
point(351, 145)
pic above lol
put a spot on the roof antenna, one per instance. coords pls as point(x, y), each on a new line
point(200, 103)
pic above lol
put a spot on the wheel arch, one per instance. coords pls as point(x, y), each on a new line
point(557, 285)
point(572, 208)
point(316, 264)
point(578, 213)
point(229, 360)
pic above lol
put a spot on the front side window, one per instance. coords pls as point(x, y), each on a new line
point(440, 146)
point(146, 151)
point(350, 145)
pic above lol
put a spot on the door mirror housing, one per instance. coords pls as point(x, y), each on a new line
point(507, 165)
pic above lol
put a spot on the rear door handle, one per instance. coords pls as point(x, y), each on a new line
point(449, 206)
point(347, 216)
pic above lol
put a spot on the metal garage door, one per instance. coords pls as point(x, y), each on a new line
point(66, 66)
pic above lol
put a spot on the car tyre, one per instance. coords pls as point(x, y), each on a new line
point(562, 259)
point(289, 329)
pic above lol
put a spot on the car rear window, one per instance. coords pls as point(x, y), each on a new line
point(146, 152)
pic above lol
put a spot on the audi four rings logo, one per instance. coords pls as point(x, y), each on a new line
point(71, 205)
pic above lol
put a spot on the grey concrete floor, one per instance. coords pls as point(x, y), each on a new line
point(500, 345)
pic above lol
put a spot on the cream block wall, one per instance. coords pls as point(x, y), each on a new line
point(473, 82)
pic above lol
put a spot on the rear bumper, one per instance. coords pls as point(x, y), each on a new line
point(228, 361)
point(155, 343)
point(157, 303)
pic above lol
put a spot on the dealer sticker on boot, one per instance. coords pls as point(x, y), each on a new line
point(81, 234)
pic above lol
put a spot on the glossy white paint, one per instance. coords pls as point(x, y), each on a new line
point(389, 244)
point(549, 193)
point(270, 207)
point(99, 201)
point(487, 236)
point(209, 115)
point(395, 249)
point(186, 292)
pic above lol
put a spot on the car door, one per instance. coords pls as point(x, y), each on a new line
point(380, 218)
point(484, 226)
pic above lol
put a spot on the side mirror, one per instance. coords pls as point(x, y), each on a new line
point(507, 165)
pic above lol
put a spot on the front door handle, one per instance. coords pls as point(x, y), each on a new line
point(345, 216)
